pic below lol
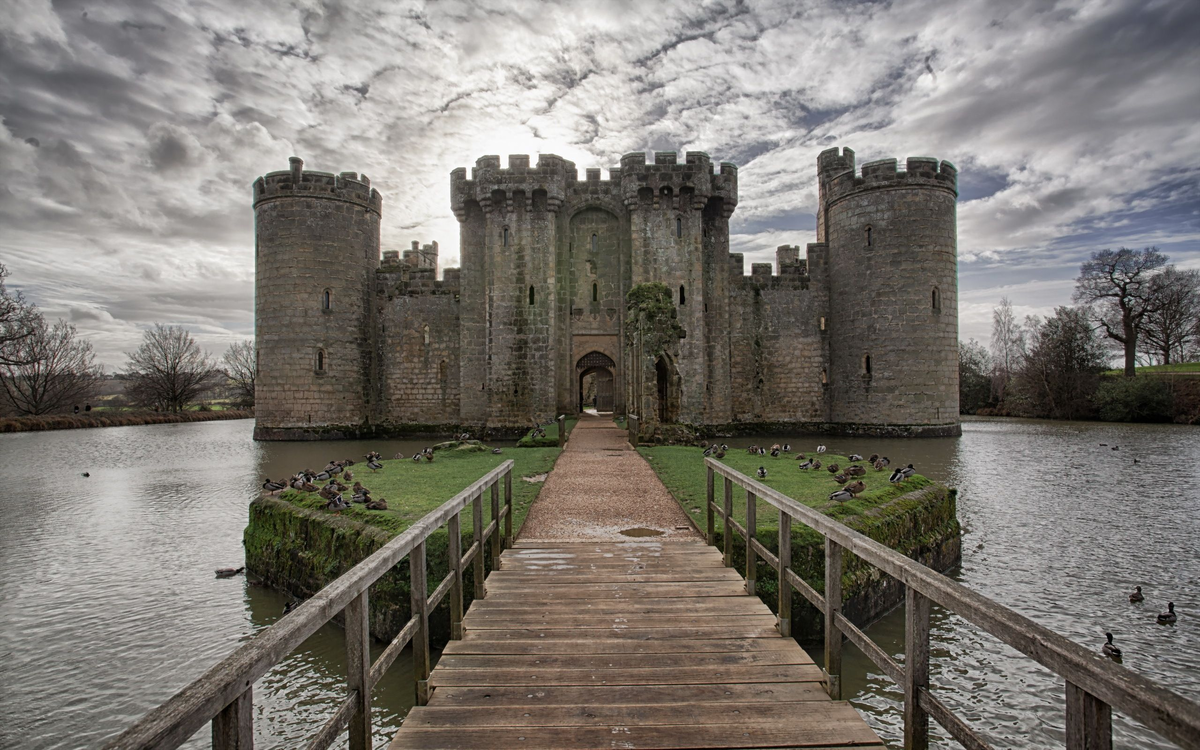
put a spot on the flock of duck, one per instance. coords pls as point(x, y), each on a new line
point(1169, 617)
point(851, 486)
point(335, 475)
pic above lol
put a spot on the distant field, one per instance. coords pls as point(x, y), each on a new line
point(1183, 368)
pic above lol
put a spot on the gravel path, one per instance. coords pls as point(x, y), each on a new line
point(600, 486)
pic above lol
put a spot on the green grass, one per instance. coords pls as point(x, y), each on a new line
point(551, 438)
point(414, 489)
point(1177, 368)
point(681, 469)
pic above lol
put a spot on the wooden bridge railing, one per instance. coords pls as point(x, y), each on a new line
point(224, 694)
point(1095, 685)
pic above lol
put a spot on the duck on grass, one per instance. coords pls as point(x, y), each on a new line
point(401, 491)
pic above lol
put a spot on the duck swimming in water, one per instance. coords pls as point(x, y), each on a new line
point(1136, 597)
point(1110, 649)
point(762, 472)
point(229, 572)
point(1168, 617)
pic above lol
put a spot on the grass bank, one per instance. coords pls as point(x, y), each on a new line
point(106, 418)
point(917, 517)
point(1179, 368)
point(295, 545)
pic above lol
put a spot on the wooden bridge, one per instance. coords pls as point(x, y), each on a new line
point(641, 645)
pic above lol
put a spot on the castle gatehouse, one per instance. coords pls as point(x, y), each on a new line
point(859, 333)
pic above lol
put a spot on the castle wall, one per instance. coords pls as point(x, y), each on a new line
point(314, 233)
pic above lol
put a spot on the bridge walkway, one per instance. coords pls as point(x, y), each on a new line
point(638, 644)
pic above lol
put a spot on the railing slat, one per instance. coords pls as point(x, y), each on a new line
point(420, 610)
point(751, 531)
point(358, 670)
point(454, 556)
point(334, 725)
point(494, 526)
point(783, 564)
point(728, 516)
point(469, 555)
point(440, 592)
point(916, 669)
point(942, 714)
point(233, 727)
point(393, 650)
point(477, 525)
point(808, 592)
point(877, 655)
point(1159, 709)
point(1089, 721)
point(508, 510)
point(710, 529)
point(764, 554)
point(833, 606)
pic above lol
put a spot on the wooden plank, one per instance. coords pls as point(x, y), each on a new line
point(871, 650)
point(751, 555)
point(612, 646)
point(833, 605)
point(816, 737)
point(1089, 721)
point(454, 554)
point(779, 714)
point(630, 676)
point(710, 529)
point(233, 727)
point(671, 695)
point(358, 670)
point(727, 517)
point(574, 578)
point(620, 590)
point(957, 728)
point(632, 634)
point(495, 526)
point(508, 509)
point(916, 670)
point(622, 622)
point(648, 564)
point(478, 541)
point(729, 605)
point(622, 661)
point(784, 564)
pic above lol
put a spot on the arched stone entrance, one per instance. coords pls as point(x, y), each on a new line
point(595, 368)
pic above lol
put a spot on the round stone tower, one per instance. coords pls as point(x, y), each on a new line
point(316, 247)
point(893, 283)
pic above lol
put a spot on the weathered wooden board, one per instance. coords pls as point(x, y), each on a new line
point(778, 714)
point(814, 736)
point(604, 695)
point(619, 622)
point(632, 634)
point(616, 646)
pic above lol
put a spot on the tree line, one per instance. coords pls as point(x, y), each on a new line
point(47, 368)
point(1131, 302)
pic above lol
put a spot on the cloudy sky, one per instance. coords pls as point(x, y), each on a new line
point(131, 131)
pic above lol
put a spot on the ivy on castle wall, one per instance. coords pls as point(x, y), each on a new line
point(651, 319)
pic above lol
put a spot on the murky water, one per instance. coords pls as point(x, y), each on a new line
point(108, 603)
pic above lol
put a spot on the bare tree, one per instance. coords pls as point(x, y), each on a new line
point(1120, 291)
point(169, 370)
point(1173, 325)
point(1061, 365)
point(1006, 346)
point(18, 320)
point(240, 365)
point(54, 369)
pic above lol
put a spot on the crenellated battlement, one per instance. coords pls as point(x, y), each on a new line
point(298, 183)
point(695, 179)
point(839, 178)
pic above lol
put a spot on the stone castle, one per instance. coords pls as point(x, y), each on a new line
point(860, 335)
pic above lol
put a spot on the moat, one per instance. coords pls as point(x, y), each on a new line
point(114, 573)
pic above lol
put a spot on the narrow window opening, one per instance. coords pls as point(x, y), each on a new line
point(506, 236)
point(822, 322)
point(937, 302)
point(824, 377)
point(595, 293)
point(595, 243)
point(678, 227)
point(531, 295)
point(868, 236)
point(327, 300)
point(682, 295)
point(570, 248)
point(426, 332)
point(320, 360)
point(867, 365)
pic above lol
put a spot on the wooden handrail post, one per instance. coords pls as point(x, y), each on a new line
point(233, 728)
point(496, 531)
point(710, 528)
point(420, 610)
point(916, 669)
point(454, 552)
point(1089, 720)
point(728, 522)
point(833, 606)
point(562, 430)
point(508, 521)
point(751, 532)
point(358, 669)
point(785, 562)
point(477, 524)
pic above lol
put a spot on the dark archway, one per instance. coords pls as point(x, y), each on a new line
point(595, 369)
point(668, 390)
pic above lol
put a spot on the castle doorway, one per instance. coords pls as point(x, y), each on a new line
point(668, 390)
point(595, 382)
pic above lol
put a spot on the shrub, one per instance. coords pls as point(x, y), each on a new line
point(1141, 399)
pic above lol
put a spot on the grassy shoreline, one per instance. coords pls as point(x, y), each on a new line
point(97, 418)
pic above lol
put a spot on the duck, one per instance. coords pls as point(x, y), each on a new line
point(1168, 617)
point(885, 461)
point(832, 468)
point(428, 457)
point(291, 606)
point(310, 487)
point(1116, 447)
point(710, 450)
point(841, 479)
point(229, 572)
point(85, 474)
point(896, 477)
point(271, 486)
point(724, 446)
point(854, 457)
point(855, 471)
point(807, 464)
point(874, 457)
point(879, 465)
point(855, 488)
point(820, 449)
point(787, 447)
point(337, 503)
point(360, 490)
point(1136, 597)
point(327, 492)
point(496, 451)
point(380, 504)
point(908, 471)
point(720, 453)
point(375, 466)
point(841, 495)
point(762, 472)
point(348, 476)
point(816, 463)
point(800, 457)
point(752, 450)
point(416, 458)
point(774, 453)
point(322, 476)
point(1110, 649)
point(775, 447)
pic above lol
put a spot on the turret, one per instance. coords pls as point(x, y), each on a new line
point(892, 240)
point(316, 250)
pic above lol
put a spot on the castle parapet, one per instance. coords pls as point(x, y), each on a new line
point(838, 175)
point(298, 183)
point(490, 181)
